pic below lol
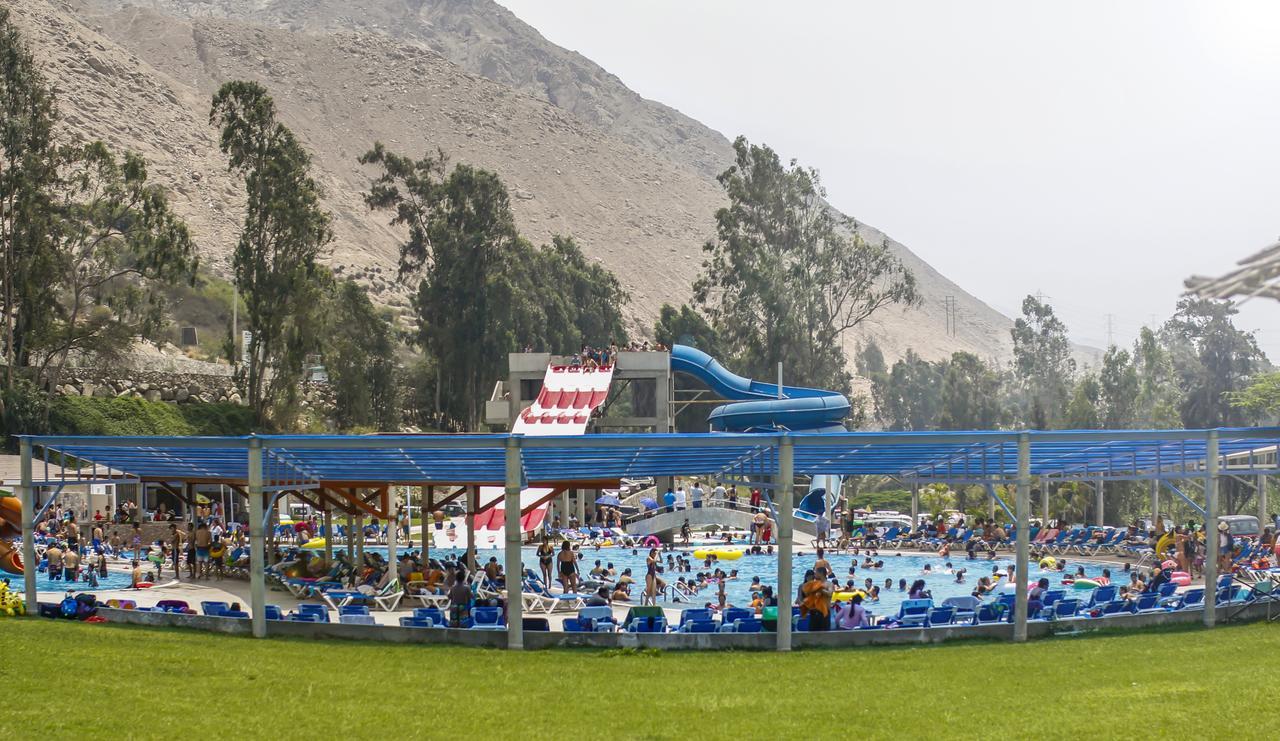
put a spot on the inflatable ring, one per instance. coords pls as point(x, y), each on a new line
point(145, 585)
point(1164, 544)
point(1181, 578)
point(1048, 562)
point(703, 554)
point(651, 541)
point(1085, 584)
point(848, 596)
point(217, 550)
point(606, 543)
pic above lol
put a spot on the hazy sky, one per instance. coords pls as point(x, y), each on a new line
point(1099, 152)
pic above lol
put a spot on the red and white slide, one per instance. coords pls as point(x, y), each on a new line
point(569, 395)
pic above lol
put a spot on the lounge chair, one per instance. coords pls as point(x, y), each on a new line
point(647, 624)
point(940, 616)
point(487, 618)
point(214, 609)
point(915, 612)
point(236, 614)
point(413, 622)
point(357, 619)
point(536, 624)
point(273, 612)
point(698, 626)
point(388, 598)
point(353, 610)
point(965, 607)
point(1065, 608)
point(600, 619)
point(1148, 602)
point(1102, 596)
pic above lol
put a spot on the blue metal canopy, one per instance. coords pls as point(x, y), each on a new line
point(962, 456)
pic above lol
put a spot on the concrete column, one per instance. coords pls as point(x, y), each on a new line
point(515, 581)
point(1099, 503)
point(257, 542)
point(389, 507)
point(428, 528)
point(359, 538)
point(27, 500)
point(581, 504)
point(328, 534)
point(1211, 529)
point(915, 505)
point(1044, 503)
point(991, 503)
point(1264, 517)
point(784, 505)
point(1022, 509)
point(473, 503)
point(564, 508)
point(351, 541)
point(1155, 501)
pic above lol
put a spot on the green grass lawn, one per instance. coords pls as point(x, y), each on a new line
point(95, 681)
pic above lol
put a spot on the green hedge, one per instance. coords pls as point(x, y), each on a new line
point(79, 415)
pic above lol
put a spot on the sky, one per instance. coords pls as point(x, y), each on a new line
point(1098, 153)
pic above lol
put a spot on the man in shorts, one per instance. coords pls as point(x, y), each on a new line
point(459, 601)
point(203, 540)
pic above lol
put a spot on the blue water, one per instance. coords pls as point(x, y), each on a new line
point(113, 580)
point(908, 566)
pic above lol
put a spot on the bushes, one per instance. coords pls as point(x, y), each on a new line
point(79, 415)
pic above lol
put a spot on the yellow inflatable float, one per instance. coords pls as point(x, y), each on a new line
point(703, 554)
point(315, 543)
point(1165, 544)
point(848, 596)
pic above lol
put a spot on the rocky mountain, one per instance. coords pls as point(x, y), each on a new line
point(631, 179)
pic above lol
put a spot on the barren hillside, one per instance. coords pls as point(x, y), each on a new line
point(630, 178)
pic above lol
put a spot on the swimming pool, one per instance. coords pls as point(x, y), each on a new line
point(113, 580)
point(908, 566)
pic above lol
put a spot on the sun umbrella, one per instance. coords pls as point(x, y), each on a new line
point(649, 503)
point(608, 500)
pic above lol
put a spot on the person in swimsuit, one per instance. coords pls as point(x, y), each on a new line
point(653, 584)
point(546, 555)
point(568, 568)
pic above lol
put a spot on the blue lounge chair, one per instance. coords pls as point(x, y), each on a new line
point(434, 614)
point(214, 609)
point(940, 616)
point(747, 625)
point(273, 612)
point(698, 626)
point(235, 614)
point(1103, 595)
point(914, 612)
point(1115, 607)
point(356, 619)
point(413, 622)
point(1066, 608)
point(647, 624)
point(536, 624)
point(353, 610)
point(1192, 599)
point(1148, 602)
point(600, 618)
point(487, 618)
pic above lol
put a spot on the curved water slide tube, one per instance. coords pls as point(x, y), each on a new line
point(757, 406)
point(10, 527)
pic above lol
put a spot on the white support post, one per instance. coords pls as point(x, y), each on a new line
point(393, 525)
point(359, 536)
point(257, 543)
point(1099, 503)
point(915, 506)
point(27, 500)
point(1155, 501)
point(328, 535)
point(425, 513)
point(1044, 503)
point(564, 508)
point(514, 568)
point(473, 503)
point(1211, 529)
point(784, 505)
point(581, 504)
point(1023, 512)
point(1264, 519)
point(351, 538)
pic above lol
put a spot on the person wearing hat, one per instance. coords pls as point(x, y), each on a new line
point(1226, 544)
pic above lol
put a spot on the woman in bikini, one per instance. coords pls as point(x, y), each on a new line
point(653, 584)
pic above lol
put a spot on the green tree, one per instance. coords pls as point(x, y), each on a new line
point(1261, 398)
point(971, 393)
point(1159, 395)
point(1119, 389)
point(29, 171)
point(1082, 410)
point(685, 326)
point(909, 397)
point(1042, 363)
point(115, 239)
point(1212, 359)
point(360, 360)
point(786, 276)
point(484, 291)
point(285, 231)
point(869, 360)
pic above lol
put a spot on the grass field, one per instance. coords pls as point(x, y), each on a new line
point(96, 681)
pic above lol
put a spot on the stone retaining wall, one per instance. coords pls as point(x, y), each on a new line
point(681, 641)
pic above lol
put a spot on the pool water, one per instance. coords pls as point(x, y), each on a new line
point(908, 566)
point(115, 579)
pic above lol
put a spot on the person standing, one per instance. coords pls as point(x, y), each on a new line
point(755, 500)
point(653, 583)
point(669, 500)
point(203, 540)
point(816, 601)
point(71, 564)
point(696, 494)
point(546, 557)
point(681, 499)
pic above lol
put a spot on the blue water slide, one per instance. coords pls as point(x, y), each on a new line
point(757, 406)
